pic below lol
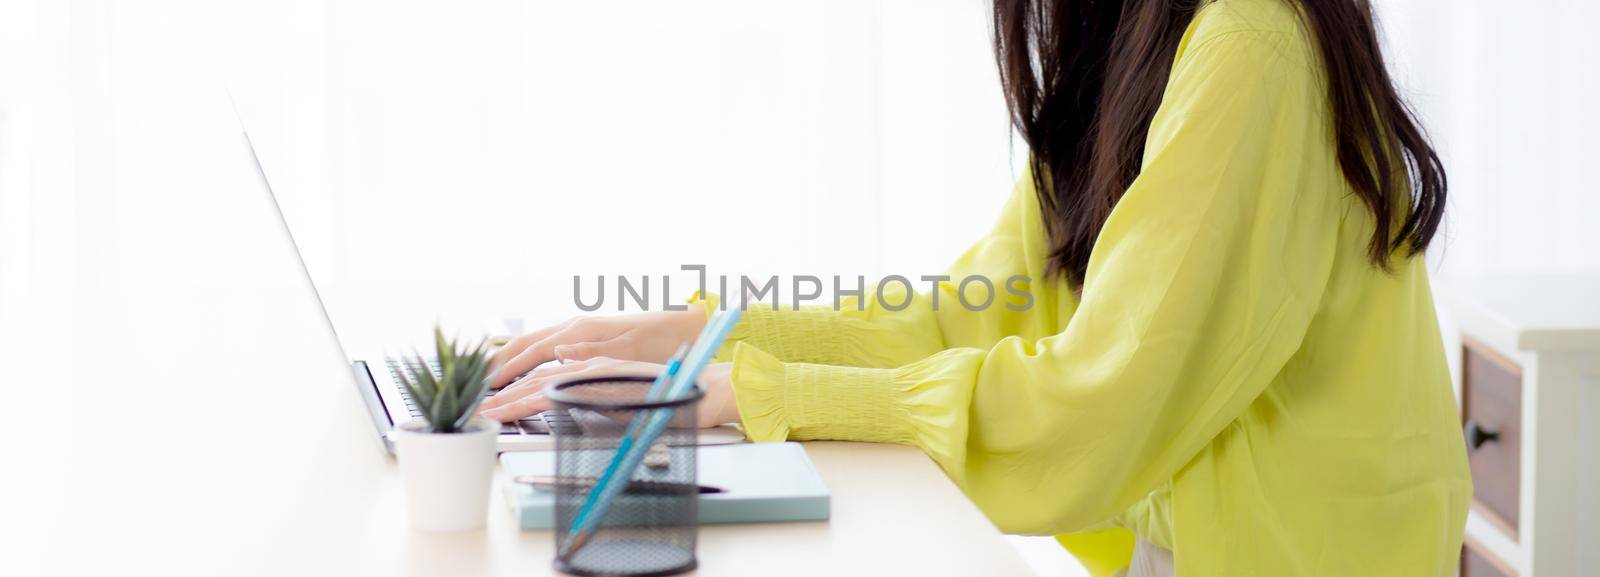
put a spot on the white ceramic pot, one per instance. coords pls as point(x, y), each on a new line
point(447, 476)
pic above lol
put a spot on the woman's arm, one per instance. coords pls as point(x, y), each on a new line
point(903, 326)
point(1202, 285)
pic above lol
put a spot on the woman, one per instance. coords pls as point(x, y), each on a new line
point(1232, 352)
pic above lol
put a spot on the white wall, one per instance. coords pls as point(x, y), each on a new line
point(874, 128)
point(1509, 92)
point(533, 141)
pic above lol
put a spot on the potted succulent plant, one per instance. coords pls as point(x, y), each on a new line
point(447, 456)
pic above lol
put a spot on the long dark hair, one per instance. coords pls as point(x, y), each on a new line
point(1083, 78)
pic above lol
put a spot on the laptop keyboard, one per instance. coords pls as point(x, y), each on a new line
point(556, 421)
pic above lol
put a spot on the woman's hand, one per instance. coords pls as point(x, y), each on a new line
point(526, 397)
point(649, 337)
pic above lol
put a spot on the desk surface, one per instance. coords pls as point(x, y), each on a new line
point(311, 491)
point(894, 513)
point(194, 418)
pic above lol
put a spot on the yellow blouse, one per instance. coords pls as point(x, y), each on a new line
point(1236, 382)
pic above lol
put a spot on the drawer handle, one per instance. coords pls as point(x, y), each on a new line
point(1477, 435)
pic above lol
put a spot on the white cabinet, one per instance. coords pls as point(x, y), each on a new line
point(1530, 388)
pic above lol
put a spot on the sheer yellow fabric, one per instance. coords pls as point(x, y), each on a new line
point(1237, 382)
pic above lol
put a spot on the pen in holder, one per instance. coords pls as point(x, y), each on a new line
point(635, 532)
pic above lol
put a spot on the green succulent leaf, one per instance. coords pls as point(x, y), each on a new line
point(473, 377)
point(444, 350)
point(450, 400)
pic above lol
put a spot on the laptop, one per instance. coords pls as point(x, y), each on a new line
point(377, 376)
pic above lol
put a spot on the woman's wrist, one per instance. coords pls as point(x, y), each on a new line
point(718, 407)
point(690, 321)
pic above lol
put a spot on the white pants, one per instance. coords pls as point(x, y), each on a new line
point(1149, 561)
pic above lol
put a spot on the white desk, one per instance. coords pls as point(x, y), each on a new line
point(134, 458)
point(894, 513)
point(312, 493)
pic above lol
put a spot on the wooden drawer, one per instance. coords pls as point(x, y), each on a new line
point(1491, 408)
point(1476, 564)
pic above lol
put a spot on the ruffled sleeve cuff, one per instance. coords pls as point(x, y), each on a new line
point(799, 401)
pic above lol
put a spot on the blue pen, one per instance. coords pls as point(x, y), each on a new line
point(656, 389)
point(628, 458)
point(673, 362)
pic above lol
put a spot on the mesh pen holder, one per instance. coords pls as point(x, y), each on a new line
point(650, 527)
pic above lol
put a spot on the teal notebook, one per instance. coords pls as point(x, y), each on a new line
point(762, 482)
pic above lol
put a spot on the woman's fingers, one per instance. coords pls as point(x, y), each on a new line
point(519, 344)
point(523, 388)
point(538, 353)
point(550, 370)
point(581, 351)
point(584, 341)
point(526, 406)
point(527, 396)
point(533, 382)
